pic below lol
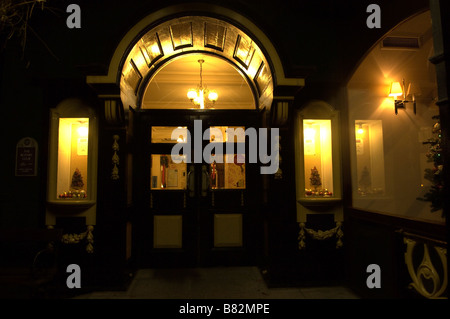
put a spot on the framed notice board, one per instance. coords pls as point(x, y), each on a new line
point(26, 157)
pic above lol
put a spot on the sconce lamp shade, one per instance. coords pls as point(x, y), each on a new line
point(396, 89)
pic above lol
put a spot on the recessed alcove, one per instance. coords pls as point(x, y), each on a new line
point(318, 168)
point(72, 159)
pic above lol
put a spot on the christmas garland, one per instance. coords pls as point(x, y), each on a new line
point(77, 238)
point(320, 235)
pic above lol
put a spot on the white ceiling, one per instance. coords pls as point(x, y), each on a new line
point(383, 66)
point(168, 88)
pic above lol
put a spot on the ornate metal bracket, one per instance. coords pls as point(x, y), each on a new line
point(320, 235)
point(77, 238)
point(426, 280)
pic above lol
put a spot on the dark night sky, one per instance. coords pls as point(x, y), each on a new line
point(326, 36)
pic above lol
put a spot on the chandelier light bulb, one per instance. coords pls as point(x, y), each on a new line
point(197, 96)
point(212, 96)
point(192, 94)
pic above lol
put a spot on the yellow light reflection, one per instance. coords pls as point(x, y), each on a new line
point(155, 49)
point(83, 131)
point(309, 133)
point(359, 129)
point(396, 89)
point(318, 157)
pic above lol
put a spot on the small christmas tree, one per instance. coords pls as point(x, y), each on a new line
point(436, 193)
point(365, 181)
point(77, 180)
point(315, 180)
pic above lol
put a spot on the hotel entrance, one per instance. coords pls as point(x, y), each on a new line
point(196, 207)
point(200, 211)
point(196, 191)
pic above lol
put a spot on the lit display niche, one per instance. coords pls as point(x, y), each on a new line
point(370, 172)
point(72, 162)
point(318, 158)
point(318, 176)
point(72, 176)
point(318, 170)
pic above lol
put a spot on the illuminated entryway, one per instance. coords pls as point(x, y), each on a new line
point(199, 213)
point(196, 213)
point(177, 31)
point(167, 88)
point(163, 64)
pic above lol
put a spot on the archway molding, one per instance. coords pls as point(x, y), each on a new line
point(182, 29)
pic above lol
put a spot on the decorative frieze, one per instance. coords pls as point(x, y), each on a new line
point(78, 238)
point(320, 235)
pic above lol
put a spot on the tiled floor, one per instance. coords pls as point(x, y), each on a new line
point(213, 283)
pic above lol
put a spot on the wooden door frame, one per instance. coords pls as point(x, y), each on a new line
point(221, 256)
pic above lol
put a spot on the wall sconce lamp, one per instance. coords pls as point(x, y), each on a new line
point(398, 90)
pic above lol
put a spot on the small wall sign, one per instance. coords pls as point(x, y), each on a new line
point(26, 157)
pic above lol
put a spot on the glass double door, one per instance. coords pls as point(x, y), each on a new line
point(199, 194)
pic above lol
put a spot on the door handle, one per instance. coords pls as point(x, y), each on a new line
point(191, 182)
point(205, 181)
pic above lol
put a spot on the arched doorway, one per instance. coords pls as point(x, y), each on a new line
point(205, 212)
point(193, 28)
point(174, 41)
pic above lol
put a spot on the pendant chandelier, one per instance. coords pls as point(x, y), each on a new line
point(198, 95)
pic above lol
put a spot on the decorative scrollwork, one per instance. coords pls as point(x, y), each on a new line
point(78, 238)
point(320, 235)
point(426, 280)
point(115, 159)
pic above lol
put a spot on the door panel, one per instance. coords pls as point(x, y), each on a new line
point(168, 231)
point(196, 214)
point(228, 230)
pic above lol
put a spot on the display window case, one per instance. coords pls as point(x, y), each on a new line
point(318, 159)
point(72, 181)
point(370, 172)
point(72, 162)
point(318, 170)
point(317, 151)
